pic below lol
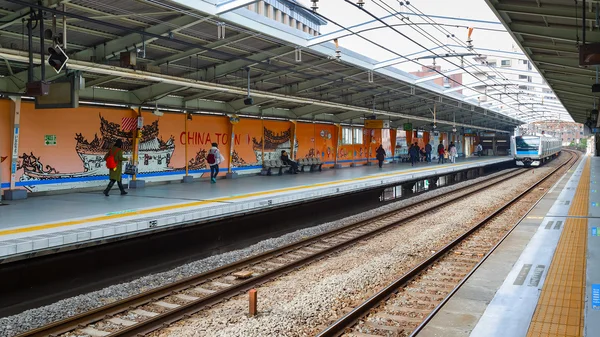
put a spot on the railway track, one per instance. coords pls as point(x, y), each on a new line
point(151, 310)
point(406, 305)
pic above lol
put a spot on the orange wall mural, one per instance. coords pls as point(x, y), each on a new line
point(5, 142)
point(247, 144)
point(316, 141)
point(84, 135)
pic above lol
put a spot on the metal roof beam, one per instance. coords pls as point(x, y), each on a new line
point(572, 63)
point(552, 47)
point(198, 51)
point(305, 65)
point(562, 34)
point(200, 95)
point(128, 41)
point(219, 71)
point(548, 10)
point(8, 20)
point(318, 81)
point(188, 53)
point(239, 105)
point(233, 66)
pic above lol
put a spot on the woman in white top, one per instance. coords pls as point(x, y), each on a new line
point(453, 153)
point(214, 158)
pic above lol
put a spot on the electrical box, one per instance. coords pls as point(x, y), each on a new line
point(37, 88)
point(589, 54)
point(128, 59)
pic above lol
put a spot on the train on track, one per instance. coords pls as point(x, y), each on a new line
point(534, 150)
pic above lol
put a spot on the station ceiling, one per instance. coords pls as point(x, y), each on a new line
point(182, 64)
point(550, 32)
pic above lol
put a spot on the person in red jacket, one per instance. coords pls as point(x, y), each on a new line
point(441, 151)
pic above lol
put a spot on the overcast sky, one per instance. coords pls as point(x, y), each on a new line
point(485, 34)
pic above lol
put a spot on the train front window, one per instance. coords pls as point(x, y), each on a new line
point(523, 143)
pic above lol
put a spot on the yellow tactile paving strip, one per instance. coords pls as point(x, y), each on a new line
point(33, 228)
point(560, 309)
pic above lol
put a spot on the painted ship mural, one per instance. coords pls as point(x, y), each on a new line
point(274, 144)
point(154, 155)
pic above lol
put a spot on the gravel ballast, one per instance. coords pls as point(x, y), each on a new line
point(304, 302)
point(10, 326)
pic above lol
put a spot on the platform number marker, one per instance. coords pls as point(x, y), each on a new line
point(152, 223)
point(596, 296)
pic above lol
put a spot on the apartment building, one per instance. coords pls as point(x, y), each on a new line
point(290, 13)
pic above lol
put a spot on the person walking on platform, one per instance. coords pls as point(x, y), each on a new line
point(414, 153)
point(441, 151)
point(380, 155)
point(428, 149)
point(214, 158)
point(114, 162)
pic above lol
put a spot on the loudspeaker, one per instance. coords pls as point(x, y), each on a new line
point(249, 101)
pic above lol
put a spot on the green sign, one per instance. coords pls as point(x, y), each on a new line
point(50, 140)
point(407, 126)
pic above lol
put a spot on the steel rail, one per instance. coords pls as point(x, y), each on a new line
point(350, 319)
point(151, 324)
point(480, 263)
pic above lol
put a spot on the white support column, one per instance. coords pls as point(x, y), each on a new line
point(12, 193)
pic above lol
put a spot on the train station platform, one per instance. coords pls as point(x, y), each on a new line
point(543, 280)
point(50, 223)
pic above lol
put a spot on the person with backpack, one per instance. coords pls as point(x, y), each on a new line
point(214, 158)
point(114, 162)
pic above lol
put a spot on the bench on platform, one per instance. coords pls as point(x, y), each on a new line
point(269, 165)
point(404, 158)
point(313, 163)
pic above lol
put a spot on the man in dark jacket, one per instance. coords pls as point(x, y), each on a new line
point(441, 152)
point(380, 155)
point(286, 160)
point(428, 150)
point(115, 174)
point(414, 153)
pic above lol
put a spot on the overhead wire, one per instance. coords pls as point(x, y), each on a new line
point(396, 53)
point(439, 43)
point(204, 18)
point(334, 80)
point(445, 31)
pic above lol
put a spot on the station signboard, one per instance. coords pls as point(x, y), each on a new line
point(374, 123)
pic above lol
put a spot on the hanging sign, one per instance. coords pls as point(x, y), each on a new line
point(373, 124)
point(234, 119)
point(407, 126)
